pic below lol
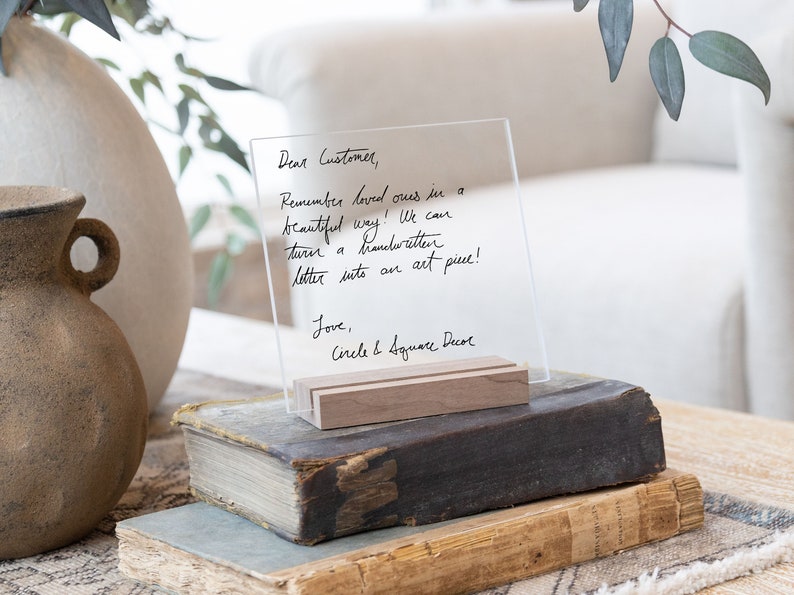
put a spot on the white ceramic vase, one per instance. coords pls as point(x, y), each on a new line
point(66, 123)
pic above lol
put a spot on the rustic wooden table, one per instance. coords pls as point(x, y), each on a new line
point(739, 454)
point(734, 453)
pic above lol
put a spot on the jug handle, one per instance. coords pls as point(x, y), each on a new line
point(107, 255)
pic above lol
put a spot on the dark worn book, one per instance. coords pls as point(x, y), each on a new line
point(202, 549)
point(577, 433)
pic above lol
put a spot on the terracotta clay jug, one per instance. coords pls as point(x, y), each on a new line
point(73, 408)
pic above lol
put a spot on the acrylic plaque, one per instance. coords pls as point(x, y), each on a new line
point(399, 248)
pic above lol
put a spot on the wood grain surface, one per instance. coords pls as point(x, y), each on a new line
point(740, 454)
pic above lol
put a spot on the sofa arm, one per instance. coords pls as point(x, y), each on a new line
point(537, 63)
point(765, 138)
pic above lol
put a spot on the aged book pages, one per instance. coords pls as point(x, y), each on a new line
point(201, 549)
point(578, 433)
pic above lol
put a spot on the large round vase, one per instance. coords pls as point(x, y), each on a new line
point(73, 407)
point(66, 123)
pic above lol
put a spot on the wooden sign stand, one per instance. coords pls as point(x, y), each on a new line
point(406, 392)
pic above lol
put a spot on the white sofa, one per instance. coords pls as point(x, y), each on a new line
point(657, 260)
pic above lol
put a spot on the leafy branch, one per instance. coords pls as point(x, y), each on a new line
point(197, 121)
point(716, 50)
point(93, 11)
point(197, 126)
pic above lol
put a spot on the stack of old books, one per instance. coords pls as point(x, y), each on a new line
point(444, 503)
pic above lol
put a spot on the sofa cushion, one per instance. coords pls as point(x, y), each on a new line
point(639, 277)
point(536, 63)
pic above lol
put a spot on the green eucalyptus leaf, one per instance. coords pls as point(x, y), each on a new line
point(235, 244)
point(215, 138)
point(185, 154)
point(132, 11)
point(108, 64)
point(231, 149)
point(69, 21)
point(208, 130)
point(667, 73)
point(615, 19)
point(730, 56)
point(159, 27)
point(243, 216)
point(191, 93)
point(199, 220)
point(220, 271)
point(179, 59)
point(150, 77)
point(578, 5)
point(224, 84)
point(96, 12)
point(224, 181)
point(140, 8)
point(136, 84)
point(183, 114)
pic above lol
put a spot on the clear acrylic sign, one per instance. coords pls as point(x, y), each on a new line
point(401, 246)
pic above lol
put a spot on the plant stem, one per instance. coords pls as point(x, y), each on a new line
point(671, 22)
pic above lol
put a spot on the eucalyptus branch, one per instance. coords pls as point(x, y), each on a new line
point(199, 128)
point(670, 21)
point(716, 50)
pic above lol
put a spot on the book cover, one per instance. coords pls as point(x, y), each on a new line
point(201, 548)
point(577, 433)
